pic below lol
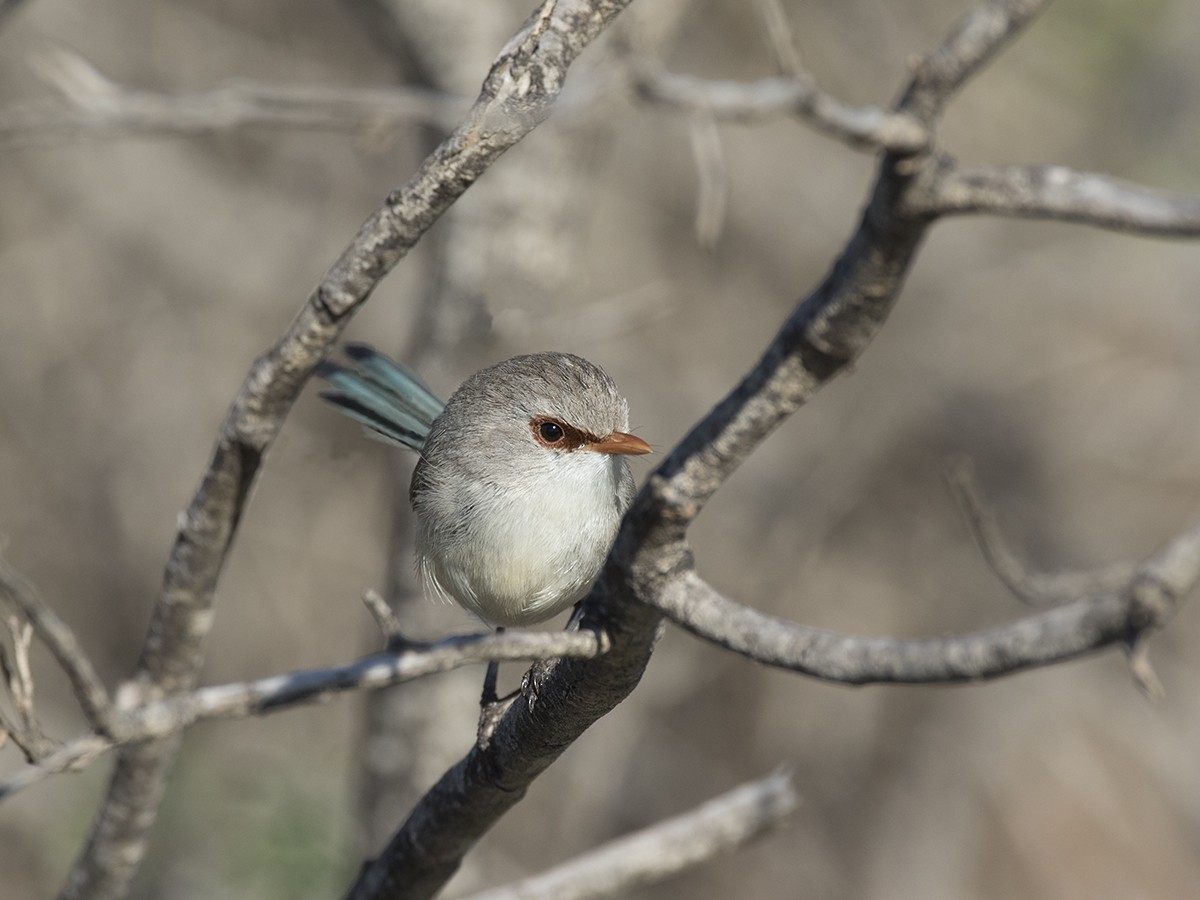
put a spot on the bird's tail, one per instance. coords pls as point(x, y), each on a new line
point(385, 396)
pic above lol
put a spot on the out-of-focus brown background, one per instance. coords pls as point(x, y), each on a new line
point(140, 277)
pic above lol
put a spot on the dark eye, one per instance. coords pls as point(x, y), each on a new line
point(550, 432)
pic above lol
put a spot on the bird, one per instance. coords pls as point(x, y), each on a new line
point(521, 481)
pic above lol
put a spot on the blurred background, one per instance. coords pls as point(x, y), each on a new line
point(140, 276)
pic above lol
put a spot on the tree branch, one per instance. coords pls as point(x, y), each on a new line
point(516, 96)
point(1151, 596)
point(406, 661)
point(61, 641)
point(860, 127)
point(724, 823)
point(1059, 193)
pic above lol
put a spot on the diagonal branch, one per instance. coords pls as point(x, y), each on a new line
point(516, 96)
point(724, 823)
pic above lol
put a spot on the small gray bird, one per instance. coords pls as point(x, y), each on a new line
point(521, 482)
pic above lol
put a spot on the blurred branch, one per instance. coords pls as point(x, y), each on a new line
point(724, 823)
point(1033, 588)
point(516, 96)
point(23, 728)
point(861, 127)
point(98, 108)
point(713, 195)
point(824, 334)
point(61, 641)
point(1056, 192)
point(159, 718)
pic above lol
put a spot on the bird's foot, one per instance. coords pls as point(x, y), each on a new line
point(491, 711)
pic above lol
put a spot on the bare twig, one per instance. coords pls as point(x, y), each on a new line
point(664, 849)
point(1059, 193)
point(70, 757)
point(517, 94)
point(779, 37)
point(160, 718)
point(864, 128)
point(713, 193)
point(1033, 588)
point(384, 616)
point(24, 729)
point(61, 641)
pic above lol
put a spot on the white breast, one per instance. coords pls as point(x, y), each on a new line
point(533, 550)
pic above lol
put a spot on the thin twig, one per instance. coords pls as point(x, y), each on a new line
point(713, 190)
point(62, 643)
point(25, 730)
point(863, 128)
point(384, 616)
point(666, 848)
point(1032, 588)
point(155, 719)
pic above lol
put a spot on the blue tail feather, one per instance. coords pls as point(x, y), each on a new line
point(381, 394)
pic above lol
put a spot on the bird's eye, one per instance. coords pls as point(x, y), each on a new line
point(550, 432)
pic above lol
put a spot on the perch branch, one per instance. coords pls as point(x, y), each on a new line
point(160, 718)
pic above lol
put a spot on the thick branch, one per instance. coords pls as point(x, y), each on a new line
point(1059, 193)
point(664, 849)
point(516, 96)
